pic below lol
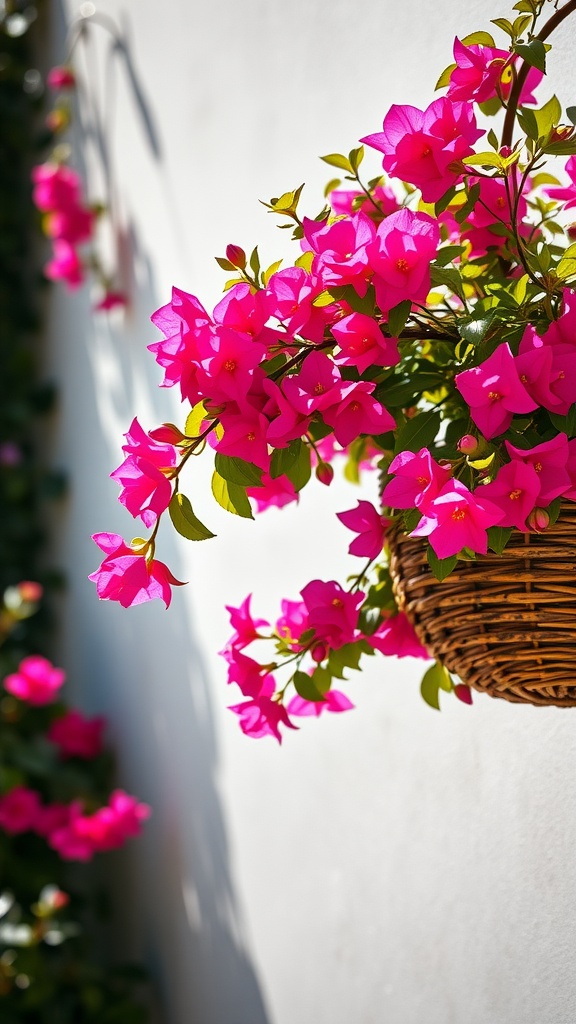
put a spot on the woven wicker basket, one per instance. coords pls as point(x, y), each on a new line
point(505, 624)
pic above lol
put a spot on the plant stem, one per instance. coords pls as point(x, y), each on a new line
point(520, 79)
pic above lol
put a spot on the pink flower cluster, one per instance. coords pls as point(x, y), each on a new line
point(453, 517)
point(69, 829)
point(72, 833)
point(67, 220)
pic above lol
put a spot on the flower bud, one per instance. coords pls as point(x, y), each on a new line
point(538, 520)
point(61, 78)
point(319, 652)
point(324, 473)
point(571, 231)
point(236, 256)
point(168, 433)
point(468, 445)
point(562, 133)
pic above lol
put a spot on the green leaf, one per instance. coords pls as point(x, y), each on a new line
point(448, 254)
point(305, 687)
point(441, 567)
point(255, 263)
point(492, 139)
point(347, 656)
point(231, 497)
point(441, 204)
point(481, 38)
point(567, 265)
point(418, 432)
point(237, 471)
point(184, 520)
point(338, 160)
point(271, 270)
point(401, 392)
point(445, 77)
point(293, 462)
point(498, 537)
point(473, 196)
point(398, 316)
point(565, 424)
point(449, 277)
point(486, 159)
point(571, 114)
point(534, 53)
point(224, 263)
point(194, 420)
point(356, 157)
point(505, 25)
point(548, 116)
point(435, 679)
point(474, 330)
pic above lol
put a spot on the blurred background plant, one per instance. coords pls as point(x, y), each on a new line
point(56, 803)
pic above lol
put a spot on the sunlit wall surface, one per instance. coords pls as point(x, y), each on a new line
point(391, 865)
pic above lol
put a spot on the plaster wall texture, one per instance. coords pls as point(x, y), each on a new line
point(389, 866)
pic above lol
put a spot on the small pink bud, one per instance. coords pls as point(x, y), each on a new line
point(562, 133)
point(236, 255)
point(61, 78)
point(30, 591)
point(324, 473)
point(468, 445)
point(168, 433)
point(571, 231)
point(538, 520)
point(464, 693)
point(319, 652)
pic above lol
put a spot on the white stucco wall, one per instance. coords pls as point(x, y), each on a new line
point(389, 866)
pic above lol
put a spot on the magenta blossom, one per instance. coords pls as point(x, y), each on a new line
point(292, 623)
point(421, 146)
point(458, 519)
point(370, 526)
point(19, 809)
point(130, 578)
point(515, 491)
point(494, 392)
point(76, 736)
point(357, 412)
point(400, 255)
point(146, 490)
point(418, 479)
point(566, 194)
point(340, 250)
point(36, 681)
point(332, 612)
point(244, 625)
point(549, 461)
point(396, 636)
point(275, 492)
point(362, 343)
point(334, 701)
point(65, 265)
point(61, 77)
point(262, 716)
point(478, 72)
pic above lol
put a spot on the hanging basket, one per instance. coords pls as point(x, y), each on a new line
point(505, 624)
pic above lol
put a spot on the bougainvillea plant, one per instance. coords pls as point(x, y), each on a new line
point(426, 330)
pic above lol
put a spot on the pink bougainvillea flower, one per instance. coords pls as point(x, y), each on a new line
point(396, 636)
point(549, 460)
point(111, 826)
point(334, 700)
point(400, 255)
point(317, 385)
point(187, 330)
point(244, 436)
point(36, 681)
point(19, 810)
point(420, 146)
point(478, 72)
point(370, 526)
point(50, 818)
point(290, 294)
point(76, 736)
point(130, 578)
point(56, 187)
point(565, 194)
point(244, 625)
point(292, 623)
point(262, 716)
point(332, 612)
point(418, 479)
point(146, 491)
point(491, 210)
point(227, 366)
point(340, 250)
point(357, 412)
point(514, 491)
point(112, 299)
point(458, 519)
point(73, 224)
point(348, 201)
point(548, 362)
point(286, 422)
point(494, 392)
point(69, 839)
point(362, 343)
point(65, 265)
point(274, 492)
point(61, 77)
point(251, 677)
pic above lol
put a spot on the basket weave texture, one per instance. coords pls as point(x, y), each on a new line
point(505, 624)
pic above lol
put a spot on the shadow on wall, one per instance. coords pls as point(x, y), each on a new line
point(174, 888)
